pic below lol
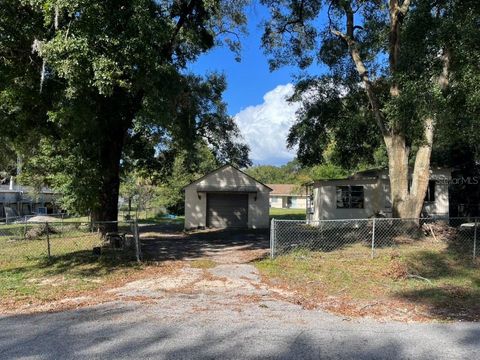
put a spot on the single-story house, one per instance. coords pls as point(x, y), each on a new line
point(227, 198)
point(17, 200)
point(367, 194)
point(288, 196)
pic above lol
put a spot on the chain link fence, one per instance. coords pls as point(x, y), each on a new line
point(15, 219)
point(23, 241)
point(365, 237)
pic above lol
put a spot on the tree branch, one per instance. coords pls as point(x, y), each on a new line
point(349, 39)
point(404, 7)
point(397, 13)
point(298, 20)
point(180, 23)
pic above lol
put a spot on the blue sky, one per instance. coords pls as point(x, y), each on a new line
point(249, 79)
point(256, 96)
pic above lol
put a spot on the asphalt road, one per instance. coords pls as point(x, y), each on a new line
point(178, 330)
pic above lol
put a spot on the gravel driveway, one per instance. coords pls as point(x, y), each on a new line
point(224, 311)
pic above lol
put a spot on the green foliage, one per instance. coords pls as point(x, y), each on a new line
point(186, 168)
point(293, 173)
point(327, 171)
point(335, 114)
point(106, 91)
point(8, 161)
point(458, 138)
point(270, 174)
point(332, 125)
point(138, 192)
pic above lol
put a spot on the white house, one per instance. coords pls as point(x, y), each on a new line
point(367, 194)
point(227, 198)
point(287, 196)
point(16, 200)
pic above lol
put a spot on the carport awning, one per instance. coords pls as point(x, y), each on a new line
point(227, 188)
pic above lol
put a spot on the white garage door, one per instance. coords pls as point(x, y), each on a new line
point(227, 210)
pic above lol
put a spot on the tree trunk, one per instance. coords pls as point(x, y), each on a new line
point(398, 173)
point(105, 212)
point(116, 115)
point(407, 201)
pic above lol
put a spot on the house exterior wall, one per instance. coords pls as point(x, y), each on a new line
point(376, 198)
point(299, 202)
point(195, 208)
point(276, 201)
point(325, 201)
point(281, 202)
point(226, 179)
point(258, 210)
point(19, 200)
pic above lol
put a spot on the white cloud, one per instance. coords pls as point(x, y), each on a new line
point(265, 126)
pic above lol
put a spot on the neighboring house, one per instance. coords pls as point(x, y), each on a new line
point(288, 196)
point(18, 200)
point(367, 194)
point(226, 198)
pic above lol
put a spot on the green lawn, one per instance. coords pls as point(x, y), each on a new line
point(287, 214)
point(179, 220)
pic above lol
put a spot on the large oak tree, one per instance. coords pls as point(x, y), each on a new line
point(407, 57)
point(103, 85)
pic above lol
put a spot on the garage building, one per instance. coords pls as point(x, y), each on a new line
point(227, 198)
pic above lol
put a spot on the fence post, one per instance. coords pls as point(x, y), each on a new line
point(373, 239)
point(25, 228)
point(138, 249)
point(48, 240)
point(475, 239)
point(272, 239)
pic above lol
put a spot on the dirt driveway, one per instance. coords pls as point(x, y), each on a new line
point(212, 269)
point(169, 242)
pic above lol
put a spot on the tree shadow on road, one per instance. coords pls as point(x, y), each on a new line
point(131, 331)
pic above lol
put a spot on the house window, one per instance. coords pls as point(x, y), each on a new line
point(350, 197)
point(289, 201)
point(430, 195)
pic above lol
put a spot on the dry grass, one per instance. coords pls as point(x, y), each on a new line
point(29, 276)
point(426, 280)
point(202, 264)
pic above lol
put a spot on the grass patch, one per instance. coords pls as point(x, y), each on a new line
point(28, 275)
point(203, 264)
point(287, 214)
point(426, 275)
point(179, 220)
